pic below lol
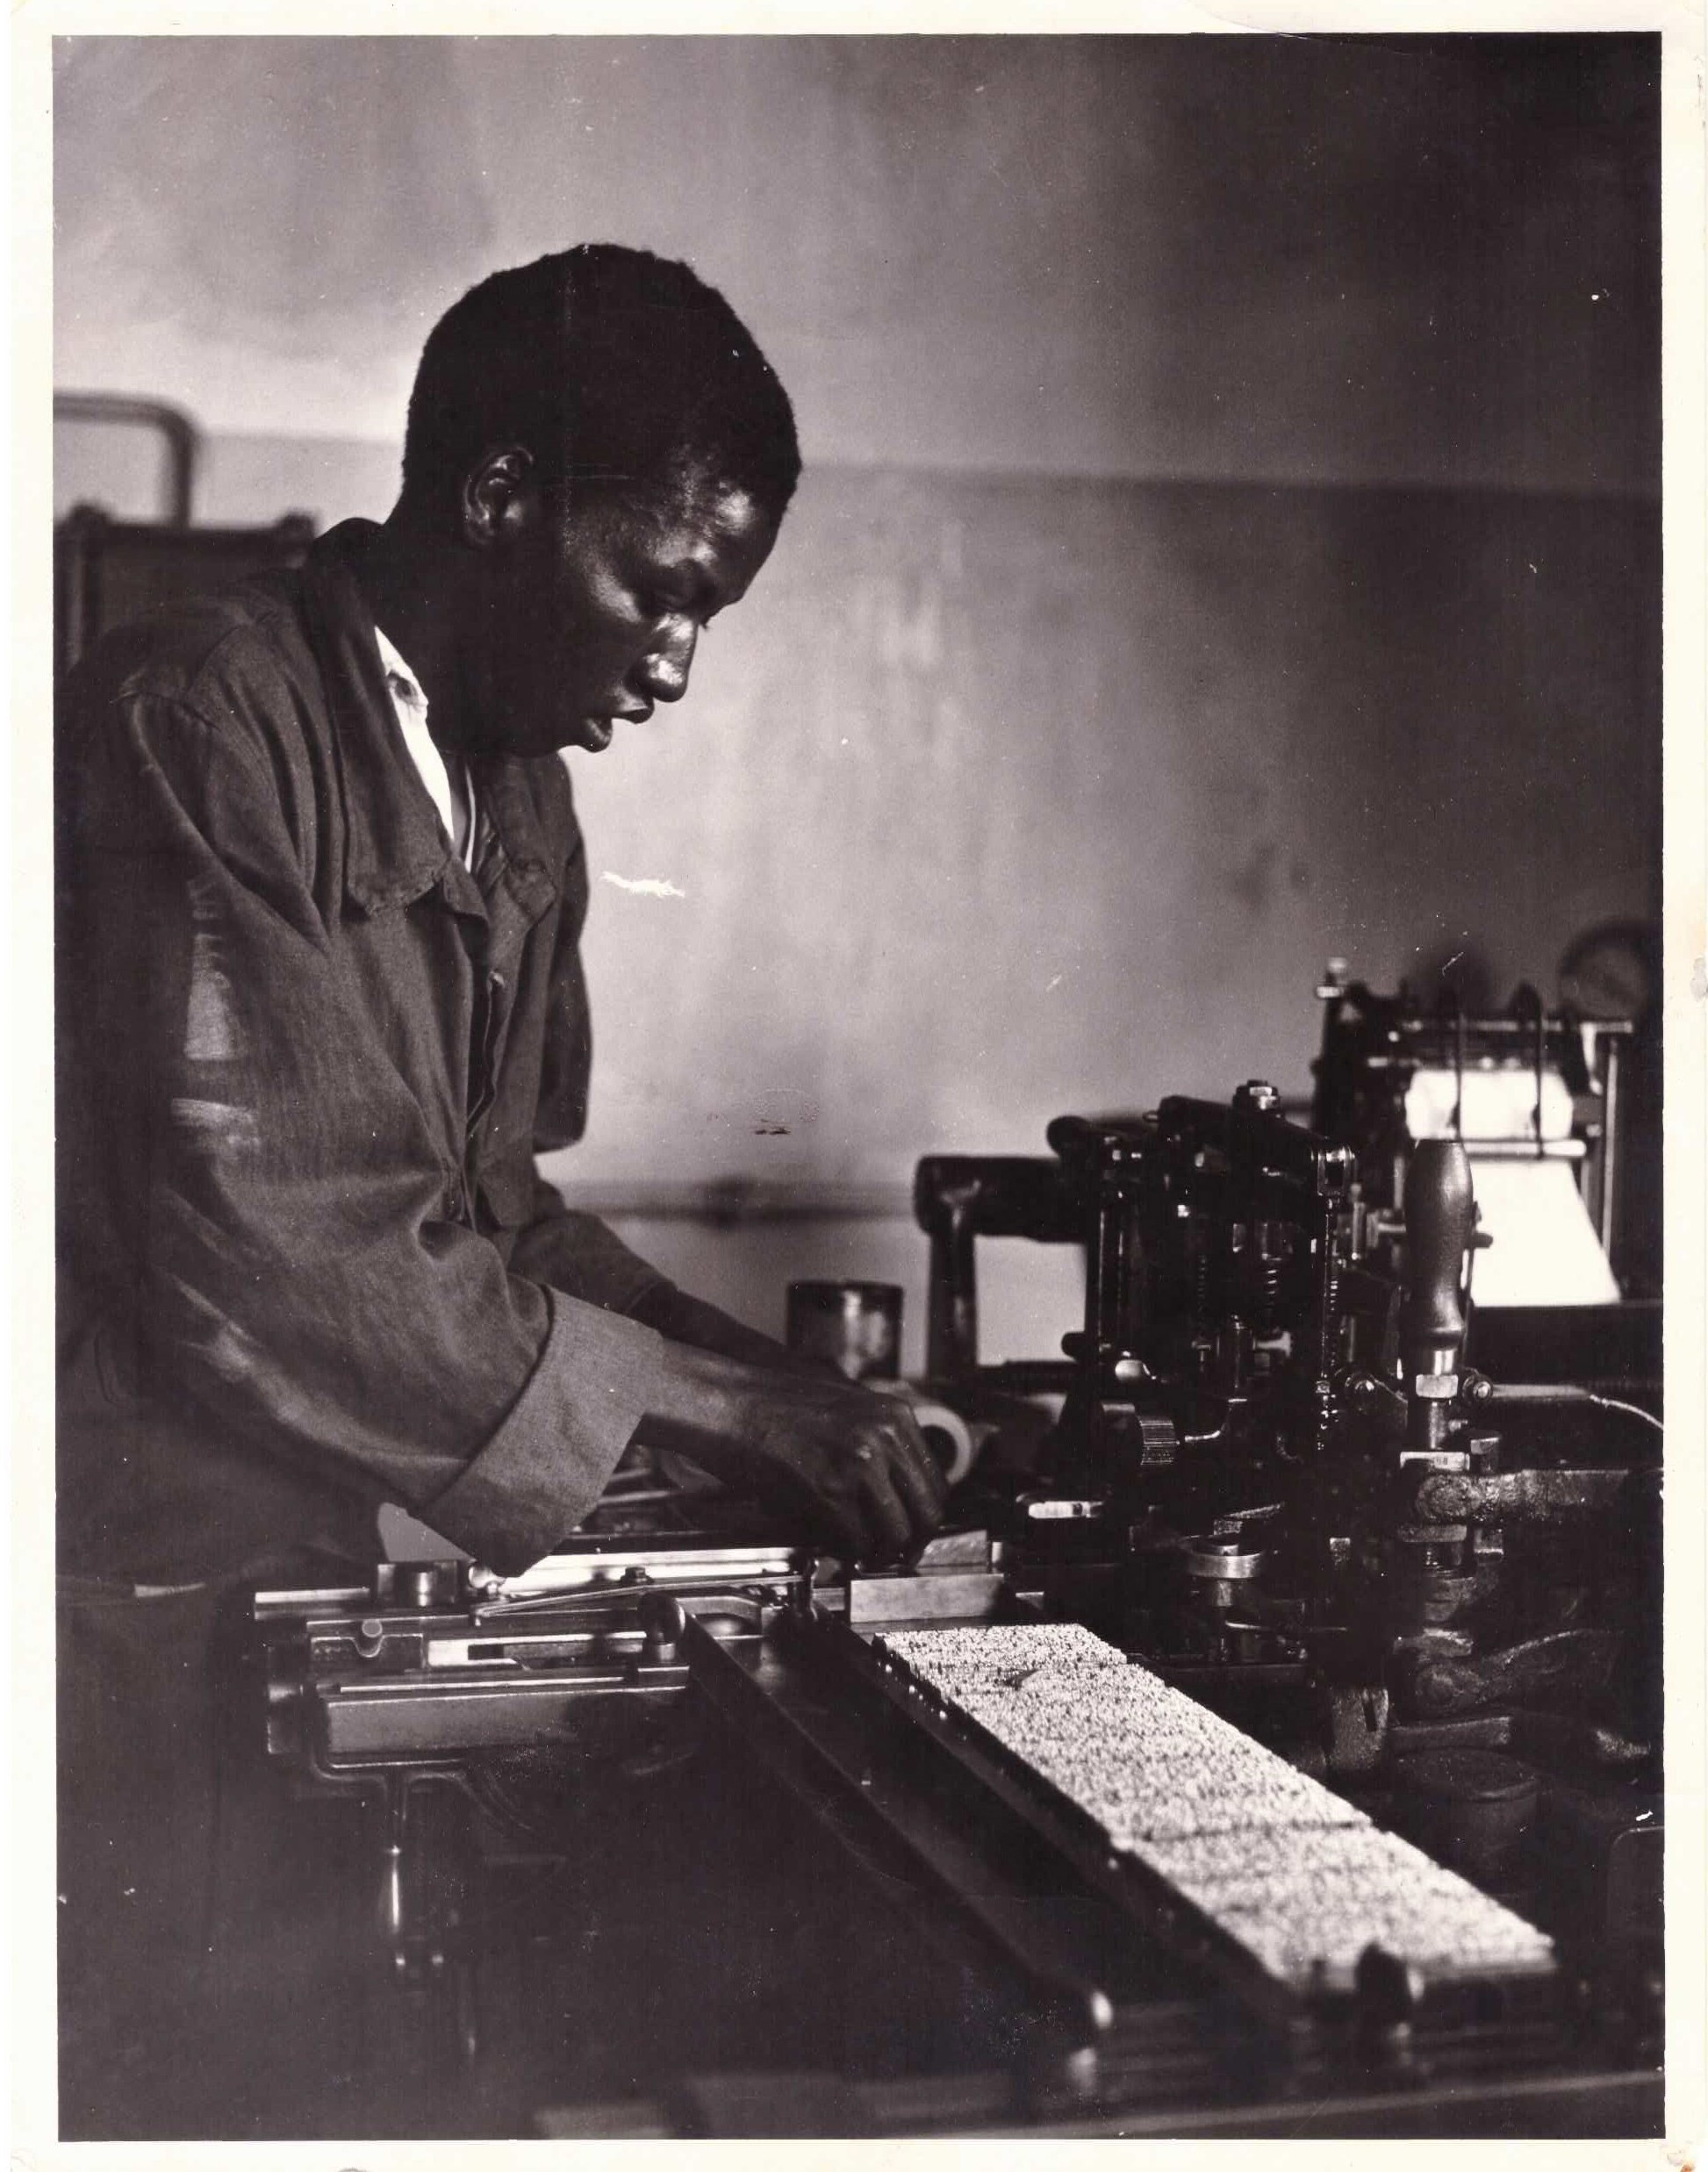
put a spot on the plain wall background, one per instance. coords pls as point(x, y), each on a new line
point(1231, 538)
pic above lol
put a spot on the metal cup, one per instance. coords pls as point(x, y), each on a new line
point(856, 1325)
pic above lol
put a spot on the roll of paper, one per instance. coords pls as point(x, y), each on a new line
point(1491, 1105)
point(947, 1434)
point(1546, 1251)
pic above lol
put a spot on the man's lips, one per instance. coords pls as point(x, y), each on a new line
point(599, 729)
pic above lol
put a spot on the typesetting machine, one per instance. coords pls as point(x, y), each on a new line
point(1269, 1743)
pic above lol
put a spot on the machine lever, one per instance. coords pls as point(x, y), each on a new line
point(1567, 1664)
point(1440, 1226)
point(1530, 1496)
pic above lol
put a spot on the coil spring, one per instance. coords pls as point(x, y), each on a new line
point(1200, 1279)
point(1328, 1356)
point(1268, 1301)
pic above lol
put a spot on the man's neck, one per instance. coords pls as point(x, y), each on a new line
point(410, 582)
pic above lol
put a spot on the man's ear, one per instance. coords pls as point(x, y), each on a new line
point(500, 495)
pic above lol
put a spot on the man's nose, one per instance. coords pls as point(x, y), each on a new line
point(664, 669)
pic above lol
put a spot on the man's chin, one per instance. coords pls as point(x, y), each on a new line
point(588, 734)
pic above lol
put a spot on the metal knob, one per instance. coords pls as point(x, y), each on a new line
point(1440, 1224)
point(663, 1620)
point(1440, 1227)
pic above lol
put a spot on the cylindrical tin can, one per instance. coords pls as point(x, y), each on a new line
point(856, 1325)
point(1473, 1808)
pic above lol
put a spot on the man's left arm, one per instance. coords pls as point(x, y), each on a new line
point(577, 1253)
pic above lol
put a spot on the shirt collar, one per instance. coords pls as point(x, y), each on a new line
point(444, 776)
point(403, 680)
point(398, 848)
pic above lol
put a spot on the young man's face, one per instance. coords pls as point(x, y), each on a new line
point(589, 616)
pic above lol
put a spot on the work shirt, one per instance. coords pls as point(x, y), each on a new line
point(305, 1059)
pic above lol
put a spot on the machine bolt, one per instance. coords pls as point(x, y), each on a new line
point(418, 1584)
point(663, 1620)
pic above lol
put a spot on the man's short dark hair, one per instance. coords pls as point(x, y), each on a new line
point(622, 372)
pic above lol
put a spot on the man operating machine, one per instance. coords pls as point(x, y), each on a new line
point(1270, 1733)
point(321, 889)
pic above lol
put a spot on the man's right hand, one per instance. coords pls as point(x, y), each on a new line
point(851, 1464)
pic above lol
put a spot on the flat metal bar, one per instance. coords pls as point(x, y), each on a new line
point(826, 1757)
point(1575, 2107)
point(603, 1565)
point(356, 1721)
point(945, 1595)
point(320, 1599)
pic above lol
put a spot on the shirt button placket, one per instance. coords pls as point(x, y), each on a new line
point(485, 1082)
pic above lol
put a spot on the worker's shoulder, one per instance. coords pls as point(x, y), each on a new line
point(554, 804)
point(548, 780)
point(237, 657)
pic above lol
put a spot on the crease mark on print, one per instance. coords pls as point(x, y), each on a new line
point(214, 1039)
point(212, 1035)
point(219, 1123)
point(644, 885)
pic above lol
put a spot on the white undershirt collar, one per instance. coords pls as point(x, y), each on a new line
point(409, 704)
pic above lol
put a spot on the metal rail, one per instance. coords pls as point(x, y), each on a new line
point(184, 440)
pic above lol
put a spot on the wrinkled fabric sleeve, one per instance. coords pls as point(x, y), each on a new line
point(577, 1254)
point(281, 1205)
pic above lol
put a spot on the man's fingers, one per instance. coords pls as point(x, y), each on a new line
point(844, 1523)
point(892, 1527)
point(920, 1481)
point(935, 1475)
point(862, 1461)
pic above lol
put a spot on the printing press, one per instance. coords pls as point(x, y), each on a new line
point(1270, 1743)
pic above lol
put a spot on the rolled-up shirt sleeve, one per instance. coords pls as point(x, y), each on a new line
point(274, 1195)
point(551, 1456)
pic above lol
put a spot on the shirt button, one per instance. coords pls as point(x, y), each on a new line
point(454, 1200)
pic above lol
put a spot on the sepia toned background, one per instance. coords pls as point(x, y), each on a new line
point(1230, 538)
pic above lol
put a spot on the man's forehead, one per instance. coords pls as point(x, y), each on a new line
point(715, 522)
point(716, 506)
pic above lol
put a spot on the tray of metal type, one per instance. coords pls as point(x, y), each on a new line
point(1278, 1889)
